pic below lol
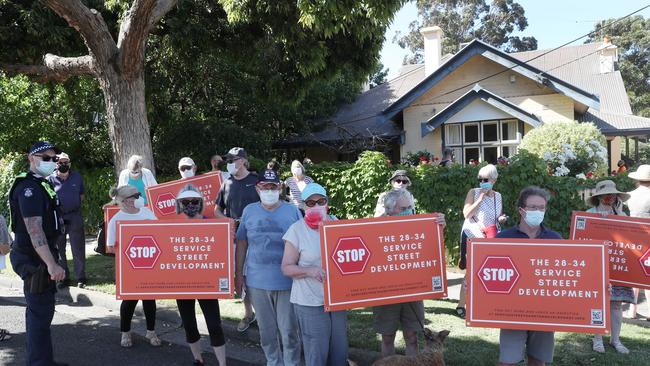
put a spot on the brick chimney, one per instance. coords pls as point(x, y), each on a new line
point(608, 56)
point(432, 48)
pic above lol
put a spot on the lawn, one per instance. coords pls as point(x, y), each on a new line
point(465, 346)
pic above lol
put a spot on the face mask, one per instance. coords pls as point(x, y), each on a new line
point(46, 168)
point(296, 171)
point(191, 210)
point(231, 168)
point(64, 168)
point(406, 212)
point(269, 197)
point(187, 173)
point(138, 203)
point(486, 185)
point(135, 175)
point(534, 218)
point(315, 215)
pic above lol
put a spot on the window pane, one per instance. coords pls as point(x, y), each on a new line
point(471, 153)
point(490, 154)
point(508, 130)
point(471, 134)
point(458, 154)
point(508, 151)
point(453, 135)
point(490, 132)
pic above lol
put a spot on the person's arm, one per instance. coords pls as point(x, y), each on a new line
point(380, 210)
point(34, 225)
point(220, 203)
point(470, 207)
point(82, 189)
point(5, 239)
point(290, 267)
point(240, 259)
point(123, 179)
point(110, 236)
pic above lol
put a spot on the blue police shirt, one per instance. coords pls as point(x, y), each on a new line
point(264, 230)
point(515, 233)
point(69, 191)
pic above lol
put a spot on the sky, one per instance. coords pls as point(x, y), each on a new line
point(552, 22)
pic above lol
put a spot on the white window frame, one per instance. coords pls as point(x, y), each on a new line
point(478, 125)
point(460, 135)
point(517, 139)
point(493, 142)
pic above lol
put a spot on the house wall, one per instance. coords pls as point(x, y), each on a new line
point(615, 154)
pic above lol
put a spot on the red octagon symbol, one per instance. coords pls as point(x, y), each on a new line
point(645, 262)
point(166, 204)
point(498, 275)
point(142, 252)
point(351, 255)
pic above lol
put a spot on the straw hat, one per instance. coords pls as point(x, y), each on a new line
point(642, 173)
point(606, 187)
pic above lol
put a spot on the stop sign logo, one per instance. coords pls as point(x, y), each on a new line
point(351, 255)
point(142, 252)
point(645, 262)
point(166, 204)
point(498, 275)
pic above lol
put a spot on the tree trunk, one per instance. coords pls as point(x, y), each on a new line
point(126, 113)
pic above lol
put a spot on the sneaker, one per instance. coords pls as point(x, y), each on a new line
point(81, 283)
point(245, 323)
point(619, 347)
point(63, 284)
point(598, 345)
point(461, 312)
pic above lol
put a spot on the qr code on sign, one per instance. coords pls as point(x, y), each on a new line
point(596, 317)
point(580, 224)
point(436, 283)
point(224, 284)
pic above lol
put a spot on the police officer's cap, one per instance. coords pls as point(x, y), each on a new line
point(41, 146)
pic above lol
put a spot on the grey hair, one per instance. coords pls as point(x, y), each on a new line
point(391, 198)
point(134, 160)
point(488, 172)
point(531, 191)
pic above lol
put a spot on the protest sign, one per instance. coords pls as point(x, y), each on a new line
point(547, 285)
point(627, 241)
point(175, 259)
point(382, 261)
point(109, 211)
point(162, 197)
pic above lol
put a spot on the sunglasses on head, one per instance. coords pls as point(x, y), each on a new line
point(402, 181)
point(53, 158)
point(312, 203)
point(483, 180)
point(185, 167)
point(193, 201)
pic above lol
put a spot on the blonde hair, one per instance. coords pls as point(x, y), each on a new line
point(297, 164)
point(488, 172)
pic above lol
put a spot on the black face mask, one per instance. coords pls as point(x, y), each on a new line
point(221, 165)
point(64, 168)
point(191, 210)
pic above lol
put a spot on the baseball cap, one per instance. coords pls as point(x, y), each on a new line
point(42, 146)
point(312, 189)
point(63, 156)
point(237, 152)
point(186, 162)
point(269, 176)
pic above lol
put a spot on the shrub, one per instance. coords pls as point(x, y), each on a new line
point(569, 148)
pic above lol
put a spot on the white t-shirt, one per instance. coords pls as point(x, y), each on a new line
point(305, 291)
point(143, 214)
point(639, 202)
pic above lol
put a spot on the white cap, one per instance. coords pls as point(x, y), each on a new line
point(189, 194)
point(63, 156)
point(186, 162)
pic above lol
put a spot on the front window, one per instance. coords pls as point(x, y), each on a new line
point(483, 140)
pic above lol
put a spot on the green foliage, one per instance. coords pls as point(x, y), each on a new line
point(97, 183)
point(414, 158)
point(10, 166)
point(569, 148)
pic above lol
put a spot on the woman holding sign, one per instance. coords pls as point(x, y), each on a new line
point(127, 197)
point(324, 334)
point(607, 200)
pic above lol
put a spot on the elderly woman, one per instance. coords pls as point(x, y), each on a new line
point(190, 203)
point(483, 212)
point(607, 200)
point(324, 334)
point(127, 197)
point(297, 182)
point(136, 175)
point(399, 180)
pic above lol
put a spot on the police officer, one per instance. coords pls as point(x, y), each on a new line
point(37, 224)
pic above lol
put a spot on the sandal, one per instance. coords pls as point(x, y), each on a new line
point(598, 345)
point(4, 335)
point(126, 341)
point(461, 312)
point(153, 339)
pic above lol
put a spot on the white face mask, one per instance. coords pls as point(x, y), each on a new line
point(46, 168)
point(138, 203)
point(269, 197)
point(296, 171)
point(231, 168)
point(187, 173)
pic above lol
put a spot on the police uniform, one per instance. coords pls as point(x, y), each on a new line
point(34, 196)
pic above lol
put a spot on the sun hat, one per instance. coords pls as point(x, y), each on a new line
point(189, 191)
point(606, 187)
point(642, 173)
point(124, 192)
point(312, 189)
point(398, 173)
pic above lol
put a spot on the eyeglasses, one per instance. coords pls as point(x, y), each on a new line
point(402, 181)
point(185, 167)
point(135, 196)
point(194, 201)
point(312, 203)
point(535, 208)
point(53, 158)
point(483, 180)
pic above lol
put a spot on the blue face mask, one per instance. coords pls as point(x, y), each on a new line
point(406, 212)
point(486, 185)
point(534, 218)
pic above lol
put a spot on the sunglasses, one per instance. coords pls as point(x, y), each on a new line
point(194, 201)
point(135, 196)
point(312, 203)
point(53, 158)
point(230, 161)
point(185, 167)
point(402, 181)
point(483, 180)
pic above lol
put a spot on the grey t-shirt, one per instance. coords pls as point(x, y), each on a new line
point(235, 195)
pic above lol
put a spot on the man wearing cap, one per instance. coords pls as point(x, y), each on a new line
point(235, 194)
point(399, 180)
point(259, 250)
point(69, 187)
point(186, 167)
point(37, 224)
point(639, 205)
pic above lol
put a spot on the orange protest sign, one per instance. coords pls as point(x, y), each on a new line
point(109, 212)
point(175, 259)
point(627, 241)
point(382, 261)
point(162, 197)
point(548, 285)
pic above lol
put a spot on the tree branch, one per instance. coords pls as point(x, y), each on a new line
point(55, 68)
point(163, 7)
point(133, 35)
point(90, 24)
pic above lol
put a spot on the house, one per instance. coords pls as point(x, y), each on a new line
point(480, 102)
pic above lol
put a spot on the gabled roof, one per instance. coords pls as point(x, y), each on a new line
point(615, 124)
point(478, 92)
